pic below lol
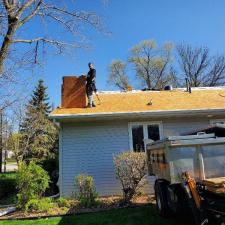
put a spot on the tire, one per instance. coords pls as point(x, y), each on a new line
point(179, 202)
point(161, 198)
point(221, 221)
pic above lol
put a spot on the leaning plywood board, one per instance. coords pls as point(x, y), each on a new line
point(216, 185)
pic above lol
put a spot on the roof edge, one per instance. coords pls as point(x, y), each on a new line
point(158, 113)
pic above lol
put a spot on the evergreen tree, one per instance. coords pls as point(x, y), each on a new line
point(40, 136)
point(39, 100)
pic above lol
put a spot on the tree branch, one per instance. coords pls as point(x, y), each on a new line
point(50, 41)
point(64, 23)
point(24, 7)
point(32, 14)
point(6, 5)
point(88, 17)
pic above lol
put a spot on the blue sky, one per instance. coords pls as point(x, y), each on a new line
point(196, 22)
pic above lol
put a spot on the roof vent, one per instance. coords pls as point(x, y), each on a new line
point(168, 88)
point(129, 88)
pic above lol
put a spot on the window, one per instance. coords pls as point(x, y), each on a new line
point(138, 132)
point(217, 121)
point(138, 138)
point(153, 132)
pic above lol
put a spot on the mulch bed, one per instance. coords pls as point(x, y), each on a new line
point(105, 203)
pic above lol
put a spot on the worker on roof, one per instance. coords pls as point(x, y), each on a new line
point(90, 85)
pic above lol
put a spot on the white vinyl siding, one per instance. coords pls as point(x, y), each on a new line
point(89, 148)
point(174, 128)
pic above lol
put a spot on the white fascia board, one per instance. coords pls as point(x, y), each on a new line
point(155, 113)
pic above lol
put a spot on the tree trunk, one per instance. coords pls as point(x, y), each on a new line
point(1, 139)
point(149, 81)
point(12, 26)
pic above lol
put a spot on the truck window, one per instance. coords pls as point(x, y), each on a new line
point(214, 160)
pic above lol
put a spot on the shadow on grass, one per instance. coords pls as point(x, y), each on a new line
point(144, 215)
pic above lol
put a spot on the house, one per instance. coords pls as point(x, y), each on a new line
point(89, 137)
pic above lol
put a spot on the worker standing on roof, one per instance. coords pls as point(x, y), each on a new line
point(90, 85)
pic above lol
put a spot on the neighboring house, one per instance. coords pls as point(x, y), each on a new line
point(8, 154)
point(89, 137)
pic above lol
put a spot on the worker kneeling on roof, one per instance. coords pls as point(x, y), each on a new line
point(90, 85)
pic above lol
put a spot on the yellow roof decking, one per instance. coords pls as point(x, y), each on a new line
point(137, 101)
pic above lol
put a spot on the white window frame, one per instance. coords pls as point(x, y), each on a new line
point(145, 130)
point(213, 122)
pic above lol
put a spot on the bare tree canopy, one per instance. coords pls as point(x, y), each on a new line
point(216, 74)
point(16, 17)
point(152, 64)
point(117, 75)
point(199, 67)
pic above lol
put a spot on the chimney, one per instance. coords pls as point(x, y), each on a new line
point(129, 88)
point(73, 92)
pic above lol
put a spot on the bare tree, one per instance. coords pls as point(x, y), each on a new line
point(16, 14)
point(152, 63)
point(194, 63)
point(15, 139)
point(131, 169)
point(117, 75)
point(216, 74)
point(199, 67)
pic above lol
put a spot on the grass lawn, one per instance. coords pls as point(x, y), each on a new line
point(131, 216)
point(8, 175)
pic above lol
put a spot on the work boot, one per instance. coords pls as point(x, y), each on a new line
point(93, 104)
point(89, 105)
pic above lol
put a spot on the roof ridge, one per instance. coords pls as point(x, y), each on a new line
point(179, 89)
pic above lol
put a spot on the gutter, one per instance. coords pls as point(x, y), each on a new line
point(140, 114)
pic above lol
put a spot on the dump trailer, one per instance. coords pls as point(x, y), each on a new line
point(190, 176)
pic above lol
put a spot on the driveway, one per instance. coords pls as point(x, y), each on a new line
point(11, 166)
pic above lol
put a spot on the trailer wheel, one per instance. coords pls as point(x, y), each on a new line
point(221, 221)
point(161, 198)
point(177, 200)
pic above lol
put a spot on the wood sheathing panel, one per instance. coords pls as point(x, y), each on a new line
point(216, 185)
point(73, 92)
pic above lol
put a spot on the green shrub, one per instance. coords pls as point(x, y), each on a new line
point(39, 205)
point(32, 182)
point(7, 184)
point(51, 165)
point(131, 170)
point(62, 202)
point(85, 190)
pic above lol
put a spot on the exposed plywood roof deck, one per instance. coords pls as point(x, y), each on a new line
point(137, 101)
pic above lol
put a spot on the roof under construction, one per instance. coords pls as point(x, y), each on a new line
point(162, 101)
